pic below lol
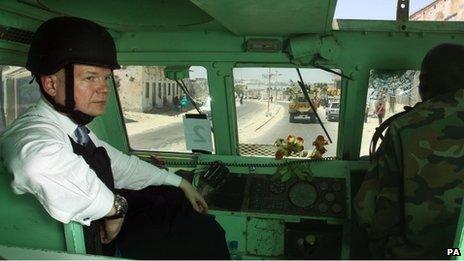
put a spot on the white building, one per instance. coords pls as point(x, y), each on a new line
point(142, 88)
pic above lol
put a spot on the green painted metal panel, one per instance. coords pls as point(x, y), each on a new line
point(24, 222)
point(144, 14)
point(459, 237)
point(221, 89)
point(407, 26)
point(235, 227)
point(20, 253)
point(255, 17)
point(74, 236)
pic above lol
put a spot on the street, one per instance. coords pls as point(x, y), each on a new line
point(255, 126)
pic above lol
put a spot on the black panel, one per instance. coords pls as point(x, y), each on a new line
point(265, 195)
point(15, 35)
point(327, 244)
point(258, 193)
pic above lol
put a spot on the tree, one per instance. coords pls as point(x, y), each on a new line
point(240, 89)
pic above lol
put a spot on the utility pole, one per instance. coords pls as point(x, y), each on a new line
point(268, 76)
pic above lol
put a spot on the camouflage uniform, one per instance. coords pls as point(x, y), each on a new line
point(410, 201)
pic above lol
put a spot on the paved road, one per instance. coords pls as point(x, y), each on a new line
point(250, 115)
point(309, 131)
point(171, 137)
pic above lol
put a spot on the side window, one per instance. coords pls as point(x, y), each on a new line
point(154, 121)
point(388, 92)
point(271, 105)
point(16, 94)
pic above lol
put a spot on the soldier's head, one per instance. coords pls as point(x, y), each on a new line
point(72, 59)
point(442, 70)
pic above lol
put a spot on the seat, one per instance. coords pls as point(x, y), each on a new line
point(25, 223)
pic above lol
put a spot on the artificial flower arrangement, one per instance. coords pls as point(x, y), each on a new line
point(291, 146)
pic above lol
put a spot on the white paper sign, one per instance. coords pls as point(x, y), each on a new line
point(197, 134)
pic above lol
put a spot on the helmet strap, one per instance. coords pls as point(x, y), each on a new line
point(76, 115)
point(69, 102)
point(69, 108)
point(58, 107)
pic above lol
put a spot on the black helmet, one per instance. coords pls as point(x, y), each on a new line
point(69, 40)
point(62, 42)
point(442, 70)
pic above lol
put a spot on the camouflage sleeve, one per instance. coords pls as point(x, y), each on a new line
point(377, 202)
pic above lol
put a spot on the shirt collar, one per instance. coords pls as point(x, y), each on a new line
point(67, 125)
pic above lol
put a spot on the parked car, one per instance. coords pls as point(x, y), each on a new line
point(332, 111)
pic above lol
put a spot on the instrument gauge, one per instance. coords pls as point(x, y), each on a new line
point(302, 194)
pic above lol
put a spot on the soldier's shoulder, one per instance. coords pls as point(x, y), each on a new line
point(435, 111)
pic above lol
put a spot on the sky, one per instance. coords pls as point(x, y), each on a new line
point(346, 9)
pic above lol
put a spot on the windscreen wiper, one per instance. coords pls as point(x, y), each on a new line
point(305, 92)
point(182, 85)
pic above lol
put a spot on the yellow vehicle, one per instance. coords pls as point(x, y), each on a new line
point(300, 110)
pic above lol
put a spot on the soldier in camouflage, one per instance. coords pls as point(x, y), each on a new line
point(410, 200)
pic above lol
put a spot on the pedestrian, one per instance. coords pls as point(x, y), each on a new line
point(184, 104)
point(380, 111)
point(176, 103)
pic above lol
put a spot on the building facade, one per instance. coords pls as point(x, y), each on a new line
point(144, 88)
point(441, 10)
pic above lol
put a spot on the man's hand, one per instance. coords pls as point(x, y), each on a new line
point(198, 202)
point(110, 229)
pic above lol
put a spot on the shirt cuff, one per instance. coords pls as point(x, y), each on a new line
point(101, 206)
point(172, 179)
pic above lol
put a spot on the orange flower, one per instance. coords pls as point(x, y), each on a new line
point(279, 154)
point(290, 138)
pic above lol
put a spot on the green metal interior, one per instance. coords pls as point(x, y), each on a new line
point(212, 34)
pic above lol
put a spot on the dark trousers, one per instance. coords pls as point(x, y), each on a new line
point(161, 224)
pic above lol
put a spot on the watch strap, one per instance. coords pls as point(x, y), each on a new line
point(115, 216)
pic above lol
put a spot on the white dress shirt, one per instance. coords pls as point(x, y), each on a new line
point(37, 150)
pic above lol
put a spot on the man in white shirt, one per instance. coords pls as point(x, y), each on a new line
point(77, 177)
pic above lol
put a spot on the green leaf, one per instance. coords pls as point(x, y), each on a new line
point(286, 177)
point(299, 173)
point(280, 171)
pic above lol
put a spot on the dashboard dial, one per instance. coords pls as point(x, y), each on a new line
point(302, 194)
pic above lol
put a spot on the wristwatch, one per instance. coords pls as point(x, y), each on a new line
point(121, 206)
